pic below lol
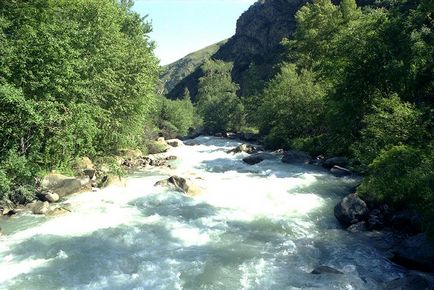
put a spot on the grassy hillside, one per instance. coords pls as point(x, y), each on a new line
point(177, 71)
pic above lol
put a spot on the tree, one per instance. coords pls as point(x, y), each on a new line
point(217, 101)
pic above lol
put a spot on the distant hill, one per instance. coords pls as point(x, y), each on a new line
point(175, 72)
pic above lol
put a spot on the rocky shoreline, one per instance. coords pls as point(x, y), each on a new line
point(54, 188)
point(397, 234)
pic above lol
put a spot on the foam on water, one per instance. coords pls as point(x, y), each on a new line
point(264, 226)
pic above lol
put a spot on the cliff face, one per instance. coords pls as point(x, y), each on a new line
point(257, 41)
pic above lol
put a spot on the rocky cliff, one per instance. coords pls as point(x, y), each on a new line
point(255, 48)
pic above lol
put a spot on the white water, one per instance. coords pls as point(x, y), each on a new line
point(254, 227)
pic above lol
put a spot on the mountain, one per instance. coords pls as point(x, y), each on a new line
point(175, 72)
point(255, 49)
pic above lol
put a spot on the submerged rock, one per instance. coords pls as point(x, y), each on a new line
point(351, 210)
point(339, 171)
point(175, 142)
point(296, 157)
point(180, 184)
point(325, 270)
point(416, 252)
point(335, 161)
point(60, 184)
point(411, 281)
point(258, 157)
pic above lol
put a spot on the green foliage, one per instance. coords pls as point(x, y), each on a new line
point(391, 122)
point(292, 107)
point(217, 101)
point(360, 84)
point(76, 78)
point(403, 177)
point(177, 117)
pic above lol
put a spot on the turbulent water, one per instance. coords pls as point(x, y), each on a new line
point(265, 226)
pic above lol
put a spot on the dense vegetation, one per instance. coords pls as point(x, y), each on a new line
point(359, 82)
point(217, 101)
point(77, 78)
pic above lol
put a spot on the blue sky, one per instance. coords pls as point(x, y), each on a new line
point(184, 26)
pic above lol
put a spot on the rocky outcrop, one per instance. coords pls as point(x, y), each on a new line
point(61, 184)
point(351, 210)
point(416, 252)
point(258, 157)
point(295, 157)
point(180, 184)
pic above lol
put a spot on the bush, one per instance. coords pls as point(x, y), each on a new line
point(402, 176)
point(391, 122)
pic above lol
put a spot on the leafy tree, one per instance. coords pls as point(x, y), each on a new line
point(217, 101)
point(292, 107)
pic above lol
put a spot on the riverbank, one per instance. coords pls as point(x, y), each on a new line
point(271, 215)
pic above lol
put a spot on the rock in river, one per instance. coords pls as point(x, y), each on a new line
point(351, 210)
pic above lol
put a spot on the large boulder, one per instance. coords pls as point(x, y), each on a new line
point(339, 171)
point(60, 184)
point(296, 157)
point(246, 148)
point(325, 270)
point(351, 210)
point(416, 252)
point(174, 142)
point(258, 157)
point(335, 161)
point(41, 207)
point(48, 196)
point(180, 184)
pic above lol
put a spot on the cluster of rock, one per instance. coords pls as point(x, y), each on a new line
point(336, 165)
point(414, 250)
point(54, 187)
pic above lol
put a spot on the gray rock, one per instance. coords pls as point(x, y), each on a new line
point(60, 184)
point(41, 207)
point(258, 157)
point(325, 270)
point(175, 142)
point(411, 281)
point(339, 171)
point(247, 148)
point(6, 207)
point(416, 252)
point(358, 227)
point(90, 172)
point(180, 184)
point(51, 197)
point(296, 157)
point(335, 161)
point(351, 210)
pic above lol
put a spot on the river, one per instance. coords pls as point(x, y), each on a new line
point(265, 226)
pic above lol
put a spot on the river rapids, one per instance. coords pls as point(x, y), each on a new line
point(263, 226)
